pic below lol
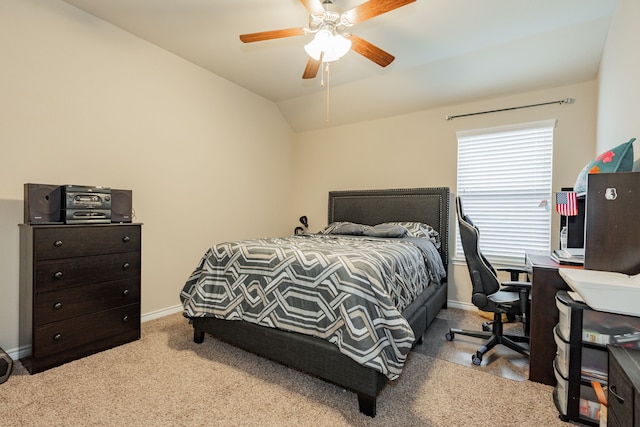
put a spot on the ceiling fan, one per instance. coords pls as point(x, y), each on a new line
point(332, 40)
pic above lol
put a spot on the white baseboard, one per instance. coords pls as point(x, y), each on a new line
point(19, 353)
point(161, 313)
point(461, 305)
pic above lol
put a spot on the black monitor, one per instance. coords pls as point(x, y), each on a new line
point(575, 229)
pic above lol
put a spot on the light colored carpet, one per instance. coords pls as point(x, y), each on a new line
point(166, 379)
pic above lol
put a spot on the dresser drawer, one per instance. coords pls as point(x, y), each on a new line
point(80, 300)
point(620, 396)
point(73, 241)
point(65, 273)
point(68, 334)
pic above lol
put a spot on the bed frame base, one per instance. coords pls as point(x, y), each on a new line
point(318, 357)
point(312, 355)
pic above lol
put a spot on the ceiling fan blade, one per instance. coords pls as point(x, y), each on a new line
point(313, 6)
point(311, 70)
point(269, 35)
point(370, 51)
point(373, 8)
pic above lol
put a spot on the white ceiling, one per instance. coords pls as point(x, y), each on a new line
point(447, 51)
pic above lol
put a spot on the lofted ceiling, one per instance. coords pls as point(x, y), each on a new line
point(447, 51)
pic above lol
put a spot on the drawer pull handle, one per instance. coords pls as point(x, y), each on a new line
point(58, 275)
point(57, 305)
point(126, 265)
point(125, 319)
point(613, 391)
point(57, 243)
point(126, 239)
point(57, 337)
point(125, 292)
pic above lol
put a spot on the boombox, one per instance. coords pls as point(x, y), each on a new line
point(83, 204)
point(75, 204)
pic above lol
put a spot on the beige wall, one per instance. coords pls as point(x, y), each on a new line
point(420, 149)
point(619, 84)
point(83, 102)
point(74, 88)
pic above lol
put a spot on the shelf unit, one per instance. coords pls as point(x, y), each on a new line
point(582, 336)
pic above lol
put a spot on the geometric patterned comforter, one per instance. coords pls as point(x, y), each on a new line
point(349, 291)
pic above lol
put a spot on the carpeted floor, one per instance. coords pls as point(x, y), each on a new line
point(166, 379)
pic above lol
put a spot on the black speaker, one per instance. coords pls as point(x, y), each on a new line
point(42, 204)
point(6, 363)
point(121, 205)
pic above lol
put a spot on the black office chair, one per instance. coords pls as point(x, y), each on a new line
point(510, 298)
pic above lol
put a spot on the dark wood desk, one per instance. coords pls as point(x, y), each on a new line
point(545, 283)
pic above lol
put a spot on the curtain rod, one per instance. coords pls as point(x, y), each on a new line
point(562, 101)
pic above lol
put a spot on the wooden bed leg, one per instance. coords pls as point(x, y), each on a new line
point(367, 404)
point(198, 336)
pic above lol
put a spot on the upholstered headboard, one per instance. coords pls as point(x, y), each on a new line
point(371, 207)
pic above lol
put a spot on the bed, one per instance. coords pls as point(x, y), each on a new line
point(349, 311)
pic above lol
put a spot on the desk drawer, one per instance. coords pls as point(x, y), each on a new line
point(619, 384)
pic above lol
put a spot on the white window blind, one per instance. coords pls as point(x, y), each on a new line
point(503, 175)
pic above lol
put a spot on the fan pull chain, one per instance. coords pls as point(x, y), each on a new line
point(328, 94)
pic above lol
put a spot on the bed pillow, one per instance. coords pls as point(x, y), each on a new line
point(385, 230)
point(419, 229)
point(354, 229)
point(348, 228)
point(618, 159)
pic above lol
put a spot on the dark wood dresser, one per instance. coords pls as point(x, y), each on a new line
point(624, 387)
point(79, 290)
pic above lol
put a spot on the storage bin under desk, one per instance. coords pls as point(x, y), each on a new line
point(588, 405)
point(581, 337)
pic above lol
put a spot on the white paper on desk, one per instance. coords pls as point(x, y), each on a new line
point(605, 290)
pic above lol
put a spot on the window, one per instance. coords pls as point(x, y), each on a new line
point(503, 176)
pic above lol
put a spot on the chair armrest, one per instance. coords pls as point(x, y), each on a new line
point(515, 286)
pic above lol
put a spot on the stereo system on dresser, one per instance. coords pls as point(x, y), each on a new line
point(76, 204)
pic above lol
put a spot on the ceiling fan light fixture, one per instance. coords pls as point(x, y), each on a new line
point(328, 45)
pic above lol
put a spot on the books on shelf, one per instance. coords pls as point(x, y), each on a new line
point(629, 338)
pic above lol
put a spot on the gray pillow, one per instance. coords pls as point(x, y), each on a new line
point(348, 228)
point(386, 230)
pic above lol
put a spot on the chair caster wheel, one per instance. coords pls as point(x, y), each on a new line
point(476, 360)
point(486, 326)
point(449, 336)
